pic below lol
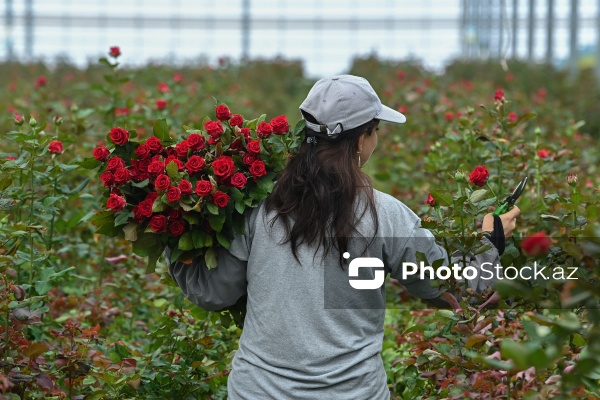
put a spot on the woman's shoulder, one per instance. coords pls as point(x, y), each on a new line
point(393, 211)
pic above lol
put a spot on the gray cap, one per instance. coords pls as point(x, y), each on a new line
point(345, 102)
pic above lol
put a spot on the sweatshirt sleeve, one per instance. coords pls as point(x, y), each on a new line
point(220, 287)
point(210, 289)
point(422, 240)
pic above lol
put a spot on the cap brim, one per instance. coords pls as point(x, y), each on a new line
point(390, 115)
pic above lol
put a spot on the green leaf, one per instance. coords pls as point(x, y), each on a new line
point(101, 218)
point(577, 198)
point(158, 206)
point(79, 187)
point(185, 242)
point(266, 184)
point(141, 184)
point(153, 257)
point(299, 127)
point(477, 195)
point(211, 258)
point(515, 351)
point(123, 217)
point(212, 208)
point(522, 119)
point(223, 240)
point(217, 221)
point(5, 182)
point(89, 163)
point(130, 231)
point(161, 130)
point(442, 197)
point(198, 238)
point(43, 287)
point(420, 327)
point(240, 207)
point(172, 170)
point(145, 243)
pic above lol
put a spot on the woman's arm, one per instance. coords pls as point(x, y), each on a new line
point(221, 287)
point(211, 289)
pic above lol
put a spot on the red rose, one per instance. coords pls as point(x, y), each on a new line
point(41, 81)
point(236, 120)
point(479, 175)
point(572, 179)
point(158, 223)
point(182, 148)
point(122, 176)
point(264, 130)
point(154, 144)
point(122, 112)
point(152, 196)
point(139, 176)
point(536, 245)
point(185, 187)
point(449, 116)
point(214, 129)
point(138, 216)
point(223, 167)
point(257, 169)
point(162, 182)
point(203, 188)
point(212, 141)
point(161, 104)
point(101, 153)
point(253, 147)
point(499, 95)
point(246, 133)
point(163, 87)
point(18, 119)
point(55, 147)
point(430, 200)
point(236, 145)
point(115, 51)
point(221, 199)
point(142, 152)
point(107, 179)
point(173, 194)
point(115, 163)
point(119, 136)
point(196, 141)
point(512, 117)
point(177, 227)
point(223, 112)
point(543, 153)
point(156, 167)
point(280, 125)
point(116, 202)
point(174, 214)
point(238, 180)
point(177, 161)
point(248, 158)
point(146, 207)
point(195, 164)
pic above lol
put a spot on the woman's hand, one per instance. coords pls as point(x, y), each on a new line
point(509, 221)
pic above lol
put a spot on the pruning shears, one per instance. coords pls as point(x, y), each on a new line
point(510, 200)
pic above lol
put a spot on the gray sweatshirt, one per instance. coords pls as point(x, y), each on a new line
point(307, 333)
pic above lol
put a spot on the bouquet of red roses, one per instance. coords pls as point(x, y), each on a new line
point(189, 194)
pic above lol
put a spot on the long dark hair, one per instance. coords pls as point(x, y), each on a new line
point(316, 195)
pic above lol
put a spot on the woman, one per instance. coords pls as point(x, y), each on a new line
point(308, 333)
